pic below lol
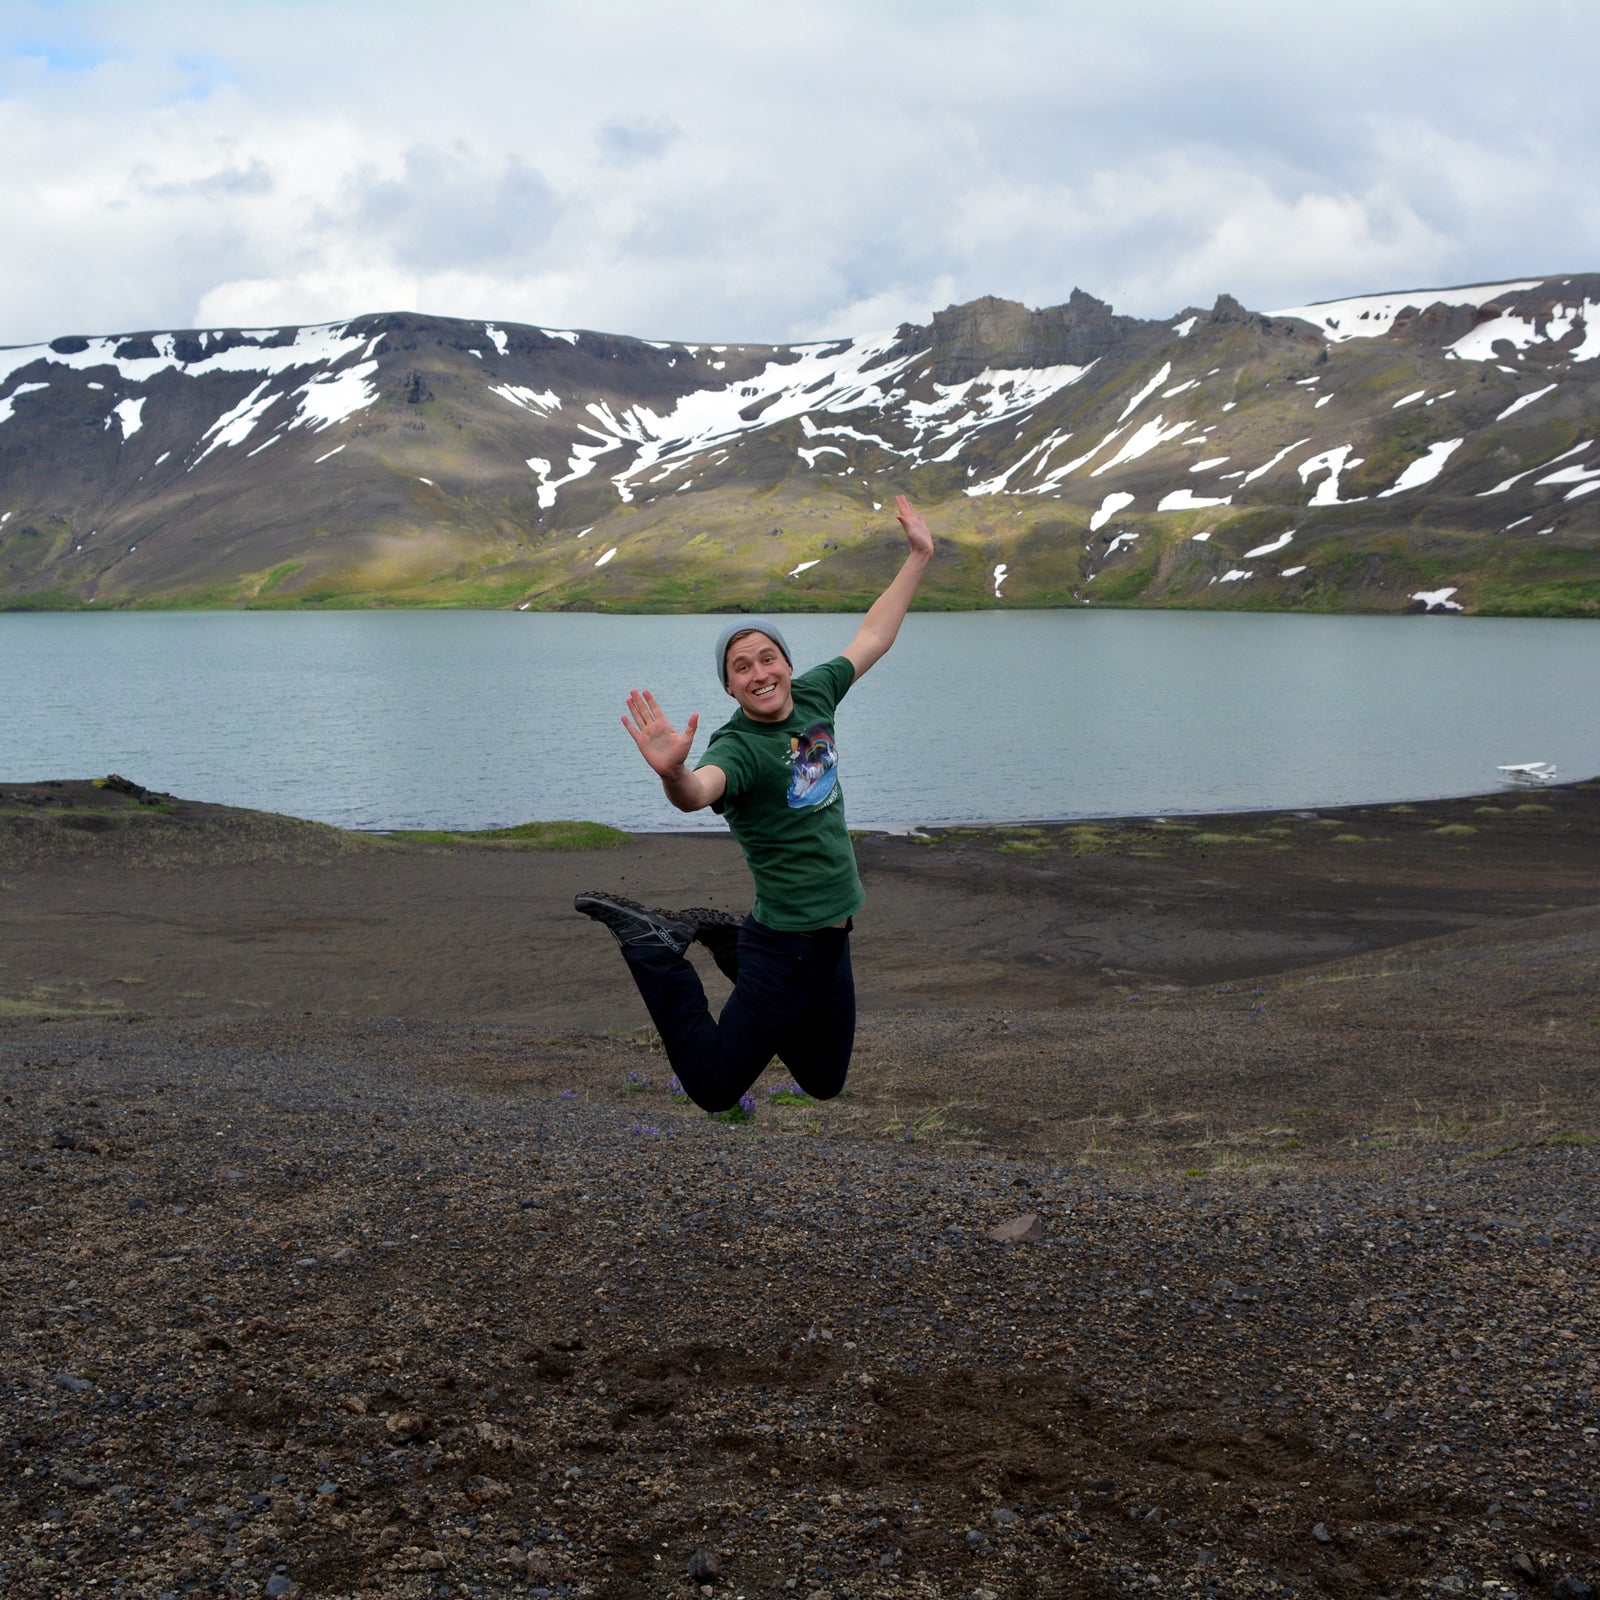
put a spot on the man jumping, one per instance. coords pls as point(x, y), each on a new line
point(772, 770)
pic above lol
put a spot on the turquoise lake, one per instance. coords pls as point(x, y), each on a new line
point(483, 719)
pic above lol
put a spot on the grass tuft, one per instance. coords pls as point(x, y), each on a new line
point(525, 836)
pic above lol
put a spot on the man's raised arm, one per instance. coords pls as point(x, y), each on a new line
point(667, 751)
point(881, 624)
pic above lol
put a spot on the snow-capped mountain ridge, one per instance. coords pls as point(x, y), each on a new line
point(433, 457)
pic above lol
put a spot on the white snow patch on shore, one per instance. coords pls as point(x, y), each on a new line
point(1438, 598)
point(804, 566)
point(1000, 575)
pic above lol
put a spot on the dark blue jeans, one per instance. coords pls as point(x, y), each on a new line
point(793, 997)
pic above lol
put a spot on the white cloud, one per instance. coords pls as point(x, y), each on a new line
point(718, 170)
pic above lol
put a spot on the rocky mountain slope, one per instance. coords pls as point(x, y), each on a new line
point(1428, 449)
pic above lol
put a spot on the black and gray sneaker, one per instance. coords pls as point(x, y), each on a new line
point(719, 933)
point(632, 924)
point(710, 925)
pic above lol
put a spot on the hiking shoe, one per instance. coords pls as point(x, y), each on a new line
point(632, 924)
point(707, 920)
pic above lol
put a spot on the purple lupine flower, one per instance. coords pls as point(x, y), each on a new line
point(747, 1104)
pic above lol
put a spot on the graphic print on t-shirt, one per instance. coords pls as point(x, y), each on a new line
point(813, 766)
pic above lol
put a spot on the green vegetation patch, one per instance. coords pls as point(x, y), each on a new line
point(43, 600)
point(1087, 841)
point(526, 836)
point(1560, 597)
point(1454, 830)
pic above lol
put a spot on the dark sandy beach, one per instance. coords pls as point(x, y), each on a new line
point(356, 1246)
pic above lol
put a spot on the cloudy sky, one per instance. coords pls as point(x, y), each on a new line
point(769, 170)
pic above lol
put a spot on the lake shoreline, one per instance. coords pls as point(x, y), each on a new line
point(408, 722)
point(1130, 819)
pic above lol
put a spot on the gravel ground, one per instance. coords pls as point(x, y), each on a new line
point(1212, 1212)
point(286, 1314)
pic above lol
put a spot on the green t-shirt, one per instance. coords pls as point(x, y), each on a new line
point(785, 806)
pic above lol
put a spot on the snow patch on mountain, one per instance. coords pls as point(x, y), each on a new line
point(1370, 316)
point(1526, 400)
point(1109, 507)
point(16, 394)
point(1333, 462)
point(1188, 500)
point(1144, 394)
point(1425, 469)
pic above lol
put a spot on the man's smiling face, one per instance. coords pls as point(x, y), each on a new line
point(758, 674)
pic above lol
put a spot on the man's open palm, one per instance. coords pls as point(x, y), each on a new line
point(659, 742)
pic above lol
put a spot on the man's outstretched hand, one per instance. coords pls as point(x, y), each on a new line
point(917, 535)
point(659, 742)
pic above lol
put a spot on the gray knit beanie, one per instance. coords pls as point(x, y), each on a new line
point(746, 625)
